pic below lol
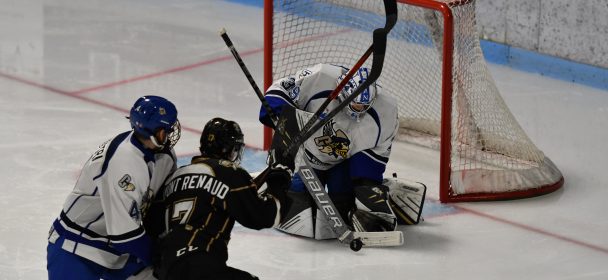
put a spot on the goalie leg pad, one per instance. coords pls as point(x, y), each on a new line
point(406, 199)
point(373, 212)
point(300, 217)
point(304, 219)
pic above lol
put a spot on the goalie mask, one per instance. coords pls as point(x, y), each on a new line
point(222, 139)
point(363, 101)
point(155, 118)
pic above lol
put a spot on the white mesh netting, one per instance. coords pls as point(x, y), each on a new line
point(490, 152)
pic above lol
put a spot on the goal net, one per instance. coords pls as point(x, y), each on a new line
point(435, 68)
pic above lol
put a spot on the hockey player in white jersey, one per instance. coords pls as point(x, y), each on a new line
point(349, 154)
point(99, 232)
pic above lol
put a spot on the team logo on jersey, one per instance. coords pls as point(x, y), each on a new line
point(125, 183)
point(294, 93)
point(333, 142)
point(289, 85)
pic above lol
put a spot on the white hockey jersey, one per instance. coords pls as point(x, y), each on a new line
point(367, 142)
point(101, 219)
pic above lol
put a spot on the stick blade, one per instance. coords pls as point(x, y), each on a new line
point(380, 239)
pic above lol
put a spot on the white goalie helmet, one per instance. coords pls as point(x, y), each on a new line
point(358, 106)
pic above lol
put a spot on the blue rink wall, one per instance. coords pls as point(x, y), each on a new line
point(525, 60)
point(254, 160)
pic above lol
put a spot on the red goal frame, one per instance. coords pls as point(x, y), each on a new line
point(445, 194)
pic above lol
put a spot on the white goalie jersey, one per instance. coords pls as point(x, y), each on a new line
point(366, 141)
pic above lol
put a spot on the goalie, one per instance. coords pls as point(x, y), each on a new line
point(349, 154)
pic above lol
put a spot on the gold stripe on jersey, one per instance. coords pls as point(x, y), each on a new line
point(244, 188)
point(209, 244)
point(217, 236)
point(223, 228)
point(193, 236)
point(208, 219)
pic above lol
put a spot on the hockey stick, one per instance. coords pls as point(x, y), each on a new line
point(311, 182)
point(379, 49)
point(355, 239)
point(315, 187)
point(255, 87)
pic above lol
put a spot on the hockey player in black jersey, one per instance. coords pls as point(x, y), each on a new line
point(203, 200)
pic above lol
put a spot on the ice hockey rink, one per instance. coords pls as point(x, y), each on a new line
point(71, 69)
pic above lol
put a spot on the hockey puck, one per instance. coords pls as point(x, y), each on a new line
point(356, 244)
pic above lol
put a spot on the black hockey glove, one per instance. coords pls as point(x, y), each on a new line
point(278, 180)
point(275, 157)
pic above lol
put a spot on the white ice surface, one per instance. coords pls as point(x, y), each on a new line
point(70, 70)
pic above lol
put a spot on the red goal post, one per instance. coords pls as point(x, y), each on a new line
point(435, 68)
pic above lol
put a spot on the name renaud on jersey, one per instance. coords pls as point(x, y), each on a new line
point(197, 181)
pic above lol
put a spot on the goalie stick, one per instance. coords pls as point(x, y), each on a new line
point(355, 239)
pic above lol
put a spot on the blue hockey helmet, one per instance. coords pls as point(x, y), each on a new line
point(358, 106)
point(152, 113)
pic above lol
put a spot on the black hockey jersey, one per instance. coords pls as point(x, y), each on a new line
point(202, 202)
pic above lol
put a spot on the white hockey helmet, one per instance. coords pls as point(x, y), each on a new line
point(365, 100)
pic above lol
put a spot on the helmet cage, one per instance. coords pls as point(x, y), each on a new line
point(364, 101)
point(174, 134)
point(236, 155)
